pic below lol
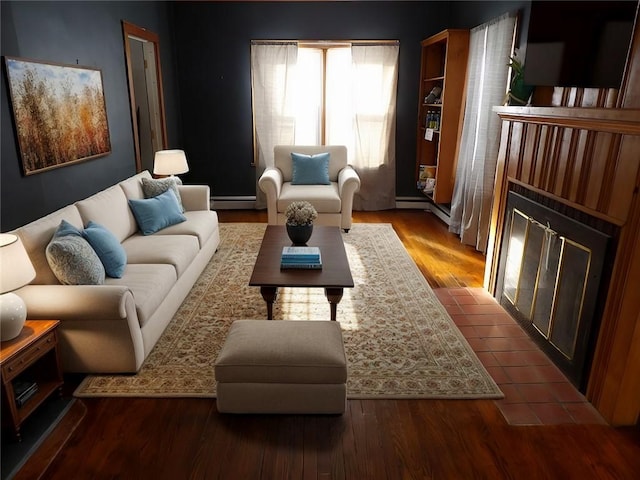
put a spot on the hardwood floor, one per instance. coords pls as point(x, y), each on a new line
point(375, 439)
point(442, 259)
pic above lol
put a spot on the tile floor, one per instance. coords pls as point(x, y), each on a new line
point(536, 391)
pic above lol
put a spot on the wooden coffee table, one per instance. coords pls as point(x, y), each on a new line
point(334, 276)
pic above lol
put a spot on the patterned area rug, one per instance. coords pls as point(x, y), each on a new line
point(400, 341)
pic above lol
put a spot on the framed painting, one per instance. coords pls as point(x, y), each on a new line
point(59, 113)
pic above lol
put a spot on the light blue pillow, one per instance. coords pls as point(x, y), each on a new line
point(310, 169)
point(108, 248)
point(154, 214)
point(71, 258)
point(152, 187)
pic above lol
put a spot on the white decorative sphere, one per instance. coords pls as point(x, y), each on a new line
point(13, 313)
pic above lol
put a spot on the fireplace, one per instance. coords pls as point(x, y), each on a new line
point(583, 163)
point(553, 277)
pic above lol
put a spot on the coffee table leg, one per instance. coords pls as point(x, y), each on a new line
point(269, 294)
point(334, 295)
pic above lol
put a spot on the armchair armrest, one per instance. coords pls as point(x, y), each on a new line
point(195, 197)
point(348, 185)
point(270, 183)
point(348, 181)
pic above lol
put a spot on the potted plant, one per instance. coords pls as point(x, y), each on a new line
point(519, 92)
point(300, 216)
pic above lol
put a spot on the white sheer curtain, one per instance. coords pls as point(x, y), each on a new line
point(490, 46)
point(272, 73)
point(374, 80)
point(360, 106)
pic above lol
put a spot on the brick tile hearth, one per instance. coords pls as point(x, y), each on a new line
point(536, 391)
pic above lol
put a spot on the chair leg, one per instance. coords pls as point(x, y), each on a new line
point(346, 230)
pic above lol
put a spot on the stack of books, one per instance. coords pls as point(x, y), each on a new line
point(301, 257)
point(23, 390)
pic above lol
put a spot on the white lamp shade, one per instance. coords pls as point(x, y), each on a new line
point(170, 162)
point(16, 269)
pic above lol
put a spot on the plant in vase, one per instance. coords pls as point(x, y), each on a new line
point(300, 217)
point(519, 92)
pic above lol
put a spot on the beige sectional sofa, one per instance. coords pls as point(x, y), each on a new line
point(113, 327)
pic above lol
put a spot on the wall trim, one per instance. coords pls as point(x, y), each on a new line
point(248, 202)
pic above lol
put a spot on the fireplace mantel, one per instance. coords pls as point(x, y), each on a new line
point(589, 159)
point(624, 121)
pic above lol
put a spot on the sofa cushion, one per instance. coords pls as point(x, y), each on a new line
point(72, 259)
point(176, 250)
point(132, 186)
point(110, 209)
point(153, 214)
point(310, 169)
point(201, 223)
point(150, 285)
point(152, 187)
point(107, 247)
point(325, 198)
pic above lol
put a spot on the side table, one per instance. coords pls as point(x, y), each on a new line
point(30, 358)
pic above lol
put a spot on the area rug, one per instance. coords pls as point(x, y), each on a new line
point(399, 340)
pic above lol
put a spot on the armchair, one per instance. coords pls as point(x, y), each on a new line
point(334, 202)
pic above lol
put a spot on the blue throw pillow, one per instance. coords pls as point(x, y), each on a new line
point(65, 228)
point(108, 248)
point(152, 187)
point(153, 214)
point(310, 169)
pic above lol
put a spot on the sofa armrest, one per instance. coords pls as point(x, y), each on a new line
point(77, 302)
point(270, 183)
point(99, 330)
point(195, 197)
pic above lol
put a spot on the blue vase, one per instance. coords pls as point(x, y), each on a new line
point(299, 234)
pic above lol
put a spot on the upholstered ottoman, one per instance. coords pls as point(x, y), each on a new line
point(282, 366)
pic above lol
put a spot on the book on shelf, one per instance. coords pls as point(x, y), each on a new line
point(426, 180)
point(23, 390)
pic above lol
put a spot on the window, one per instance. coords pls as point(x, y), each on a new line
point(322, 95)
point(325, 104)
point(328, 93)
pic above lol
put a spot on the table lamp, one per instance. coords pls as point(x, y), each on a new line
point(170, 162)
point(16, 271)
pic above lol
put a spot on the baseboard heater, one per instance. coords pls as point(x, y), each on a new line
point(442, 211)
point(248, 202)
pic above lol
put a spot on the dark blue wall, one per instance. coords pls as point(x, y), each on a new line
point(205, 49)
point(213, 54)
point(86, 33)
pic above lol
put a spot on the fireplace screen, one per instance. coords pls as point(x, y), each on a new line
point(551, 267)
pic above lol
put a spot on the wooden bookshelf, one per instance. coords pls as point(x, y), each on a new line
point(443, 65)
